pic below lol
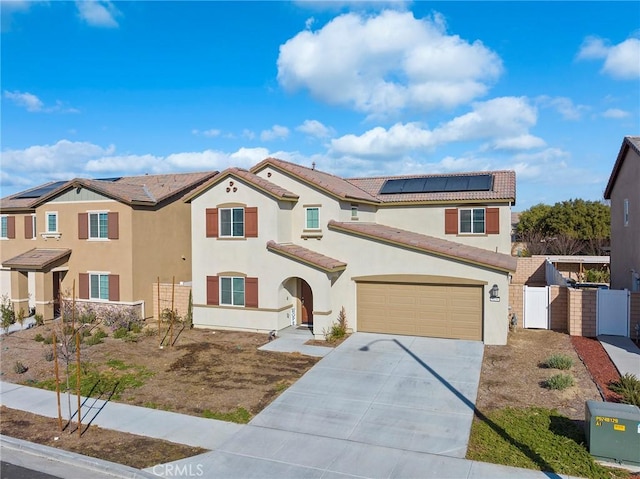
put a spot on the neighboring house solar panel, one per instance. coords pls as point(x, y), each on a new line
point(116, 178)
point(437, 184)
point(38, 192)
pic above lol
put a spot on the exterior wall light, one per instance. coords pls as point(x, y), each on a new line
point(494, 293)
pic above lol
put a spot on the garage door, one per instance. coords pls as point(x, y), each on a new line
point(439, 311)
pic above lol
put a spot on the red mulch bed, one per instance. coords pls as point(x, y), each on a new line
point(600, 366)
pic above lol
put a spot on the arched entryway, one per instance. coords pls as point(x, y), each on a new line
point(306, 303)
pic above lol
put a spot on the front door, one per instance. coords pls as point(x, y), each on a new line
point(56, 293)
point(306, 303)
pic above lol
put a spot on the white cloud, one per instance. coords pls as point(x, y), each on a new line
point(563, 105)
point(387, 63)
point(32, 103)
point(276, 131)
point(503, 121)
point(615, 113)
point(28, 100)
point(98, 13)
point(248, 134)
point(316, 129)
point(522, 142)
point(209, 133)
point(621, 61)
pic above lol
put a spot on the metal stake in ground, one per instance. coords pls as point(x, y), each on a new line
point(55, 368)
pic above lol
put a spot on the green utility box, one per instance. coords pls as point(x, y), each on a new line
point(613, 431)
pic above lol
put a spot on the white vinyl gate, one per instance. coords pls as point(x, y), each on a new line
point(612, 312)
point(536, 307)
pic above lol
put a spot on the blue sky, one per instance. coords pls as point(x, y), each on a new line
point(102, 89)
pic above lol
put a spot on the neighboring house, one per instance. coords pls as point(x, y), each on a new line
point(623, 190)
point(282, 244)
point(112, 237)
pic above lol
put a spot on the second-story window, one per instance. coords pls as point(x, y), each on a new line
point(472, 221)
point(98, 226)
point(232, 222)
point(312, 218)
point(33, 226)
point(52, 221)
point(4, 227)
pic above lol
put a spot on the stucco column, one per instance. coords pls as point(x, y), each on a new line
point(44, 294)
point(20, 291)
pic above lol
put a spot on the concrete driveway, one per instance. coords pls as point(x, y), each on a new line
point(378, 406)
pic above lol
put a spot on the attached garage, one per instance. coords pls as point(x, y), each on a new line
point(416, 305)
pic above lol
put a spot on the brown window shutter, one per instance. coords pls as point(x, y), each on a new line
point(212, 223)
point(11, 227)
point(451, 221)
point(251, 222)
point(28, 227)
point(114, 287)
point(492, 219)
point(213, 290)
point(83, 286)
point(251, 292)
point(113, 227)
point(83, 225)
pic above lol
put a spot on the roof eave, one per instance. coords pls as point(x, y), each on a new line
point(334, 269)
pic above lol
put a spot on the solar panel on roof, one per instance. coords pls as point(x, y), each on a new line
point(38, 192)
point(115, 178)
point(437, 184)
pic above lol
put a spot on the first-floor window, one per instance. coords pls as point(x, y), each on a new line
point(98, 286)
point(313, 218)
point(4, 227)
point(472, 221)
point(232, 291)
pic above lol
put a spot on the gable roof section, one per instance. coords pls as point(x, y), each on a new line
point(36, 258)
point(428, 244)
point(503, 189)
point(260, 183)
point(146, 190)
point(304, 255)
point(337, 187)
point(632, 142)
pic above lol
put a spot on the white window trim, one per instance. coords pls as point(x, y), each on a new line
point(471, 233)
point(6, 218)
point(51, 234)
point(244, 297)
point(34, 223)
point(97, 238)
point(98, 273)
point(244, 222)
point(625, 212)
point(306, 212)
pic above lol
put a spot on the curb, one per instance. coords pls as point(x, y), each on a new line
point(74, 460)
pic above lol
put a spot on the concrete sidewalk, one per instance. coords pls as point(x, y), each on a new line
point(169, 426)
point(293, 339)
point(623, 353)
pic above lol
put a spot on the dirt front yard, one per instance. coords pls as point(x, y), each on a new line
point(513, 375)
point(206, 373)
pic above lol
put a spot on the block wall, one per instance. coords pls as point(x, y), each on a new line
point(516, 302)
point(558, 307)
point(635, 313)
point(581, 311)
point(530, 271)
point(180, 298)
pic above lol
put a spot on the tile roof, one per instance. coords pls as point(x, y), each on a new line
point(255, 180)
point(632, 142)
point(336, 186)
point(36, 258)
point(428, 244)
point(307, 256)
point(504, 188)
point(142, 190)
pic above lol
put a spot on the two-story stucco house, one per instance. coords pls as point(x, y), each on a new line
point(113, 236)
point(623, 190)
point(282, 244)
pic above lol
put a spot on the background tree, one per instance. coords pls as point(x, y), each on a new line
point(568, 227)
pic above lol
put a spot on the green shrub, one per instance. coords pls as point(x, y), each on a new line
point(559, 382)
point(338, 329)
point(7, 316)
point(20, 368)
point(120, 333)
point(628, 387)
point(48, 356)
point(38, 337)
point(96, 338)
point(48, 339)
point(558, 361)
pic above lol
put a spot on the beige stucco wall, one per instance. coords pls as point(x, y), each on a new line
point(625, 240)
point(331, 291)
